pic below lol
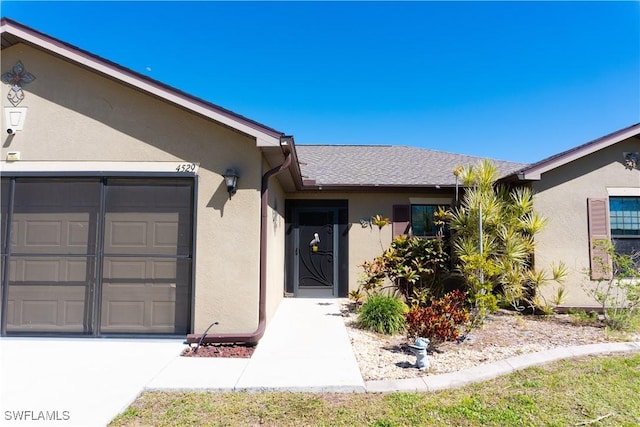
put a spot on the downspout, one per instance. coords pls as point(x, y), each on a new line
point(253, 337)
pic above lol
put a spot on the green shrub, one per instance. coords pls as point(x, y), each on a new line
point(442, 320)
point(618, 292)
point(411, 265)
point(383, 314)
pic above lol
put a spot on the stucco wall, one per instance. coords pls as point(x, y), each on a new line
point(561, 196)
point(275, 245)
point(76, 115)
point(365, 243)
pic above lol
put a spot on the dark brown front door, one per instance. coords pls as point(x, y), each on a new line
point(315, 253)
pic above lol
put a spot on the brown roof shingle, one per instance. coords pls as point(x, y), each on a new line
point(385, 165)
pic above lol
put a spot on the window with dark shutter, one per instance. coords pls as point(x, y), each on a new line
point(401, 219)
point(600, 261)
point(423, 220)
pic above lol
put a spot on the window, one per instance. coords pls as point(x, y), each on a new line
point(422, 220)
point(624, 216)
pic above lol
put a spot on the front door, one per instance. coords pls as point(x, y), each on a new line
point(316, 252)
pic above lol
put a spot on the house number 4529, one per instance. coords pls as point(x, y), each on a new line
point(186, 167)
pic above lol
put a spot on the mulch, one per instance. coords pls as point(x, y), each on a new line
point(220, 350)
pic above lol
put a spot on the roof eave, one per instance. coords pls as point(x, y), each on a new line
point(264, 136)
point(535, 171)
point(311, 185)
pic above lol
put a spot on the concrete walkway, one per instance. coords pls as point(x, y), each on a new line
point(87, 382)
point(305, 348)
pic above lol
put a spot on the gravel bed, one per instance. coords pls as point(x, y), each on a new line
point(503, 335)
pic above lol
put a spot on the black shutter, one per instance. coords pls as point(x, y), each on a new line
point(401, 219)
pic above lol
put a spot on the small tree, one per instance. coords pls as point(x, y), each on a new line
point(493, 230)
point(618, 289)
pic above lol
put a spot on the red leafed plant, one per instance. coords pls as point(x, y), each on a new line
point(442, 320)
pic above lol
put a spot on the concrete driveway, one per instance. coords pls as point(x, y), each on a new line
point(76, 382)
point(86, 381)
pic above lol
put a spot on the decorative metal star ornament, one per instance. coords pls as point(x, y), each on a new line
point(17, 77)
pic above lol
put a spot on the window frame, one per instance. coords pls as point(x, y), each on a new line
point(634, 215)
point(435, 207)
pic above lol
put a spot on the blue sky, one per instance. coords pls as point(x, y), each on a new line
point(516, 81)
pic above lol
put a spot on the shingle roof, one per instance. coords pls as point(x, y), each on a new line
point(385, 165)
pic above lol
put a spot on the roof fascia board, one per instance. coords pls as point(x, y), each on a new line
point(374, 188)
point(535, 172)
point(264, 137)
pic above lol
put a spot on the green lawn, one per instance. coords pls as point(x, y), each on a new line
point(595, 391)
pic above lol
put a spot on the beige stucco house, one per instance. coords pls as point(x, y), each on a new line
point(117, 218)
point(588, 193)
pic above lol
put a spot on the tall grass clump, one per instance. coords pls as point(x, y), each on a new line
point(384, 314)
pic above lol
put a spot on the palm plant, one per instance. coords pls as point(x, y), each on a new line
point(493, 241)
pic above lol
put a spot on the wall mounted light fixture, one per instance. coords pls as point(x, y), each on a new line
point(14, 118)
point(231, 180)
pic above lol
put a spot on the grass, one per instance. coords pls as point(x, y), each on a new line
point(600, 391)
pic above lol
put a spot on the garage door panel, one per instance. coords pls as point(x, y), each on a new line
point(42, 233)
point(50, 270)
point(123, 316)
point(148, 233)
point(55, 308)
point(47, 233)
point(40, 270)
point(163, 314)
point(39, 312)
point(142, 315)
point(78, 270)
point(10, 312)
point(55, 217)
point(12, 264)
point(159, 300)
point(139, 291)
point(166, 234)
point(163, 269)
point(78, 233)
point(126, 269)
point(125, 235)
point(73, 312)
